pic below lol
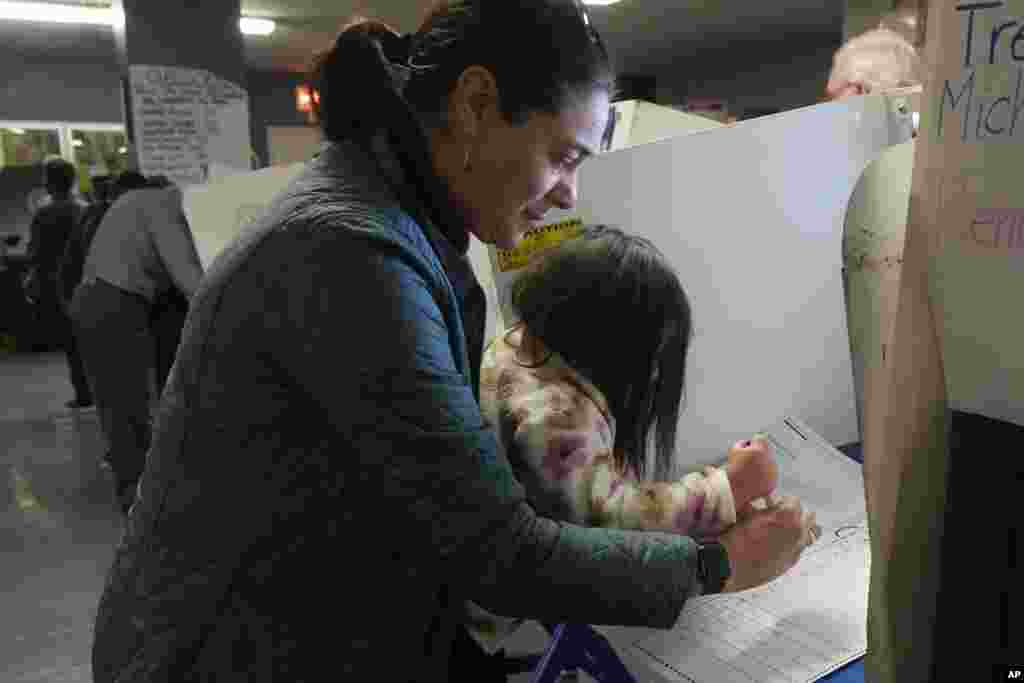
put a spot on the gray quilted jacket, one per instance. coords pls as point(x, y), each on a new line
point(322, 494)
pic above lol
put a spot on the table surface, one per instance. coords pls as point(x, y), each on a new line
point(854, 671)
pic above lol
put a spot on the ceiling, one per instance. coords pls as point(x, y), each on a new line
point(644, 36)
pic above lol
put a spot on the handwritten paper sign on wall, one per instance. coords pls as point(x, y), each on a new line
point(190, 125)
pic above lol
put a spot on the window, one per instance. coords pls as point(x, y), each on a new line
point(23, 148)
point(28, 146)
point(98, 153)
point(96, 149)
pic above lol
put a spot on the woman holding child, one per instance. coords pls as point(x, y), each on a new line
point(321, 450)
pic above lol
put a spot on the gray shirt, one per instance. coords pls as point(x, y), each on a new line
point(144, 245)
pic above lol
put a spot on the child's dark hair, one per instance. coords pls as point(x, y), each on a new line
point(614, 309)
point(373, 78)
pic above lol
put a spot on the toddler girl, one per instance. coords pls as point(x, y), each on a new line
point(589, 382)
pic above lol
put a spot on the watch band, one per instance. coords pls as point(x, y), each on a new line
point(713, 568)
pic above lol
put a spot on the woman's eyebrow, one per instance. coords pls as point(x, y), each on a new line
point(583, 150)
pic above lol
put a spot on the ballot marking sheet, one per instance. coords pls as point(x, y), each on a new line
point(809, 622)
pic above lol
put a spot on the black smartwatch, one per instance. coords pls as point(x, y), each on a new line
point(713, 568)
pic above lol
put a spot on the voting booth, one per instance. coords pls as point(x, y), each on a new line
point(752, 217)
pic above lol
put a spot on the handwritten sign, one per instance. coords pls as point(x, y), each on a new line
point(986, 96)
point(190, 125)
point(1000, 230)
point(970, 200)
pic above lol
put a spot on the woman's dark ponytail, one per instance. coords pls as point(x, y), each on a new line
point(384, 80)
point(362, 68)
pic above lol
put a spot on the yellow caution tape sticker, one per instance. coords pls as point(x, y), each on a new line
point(536, 241)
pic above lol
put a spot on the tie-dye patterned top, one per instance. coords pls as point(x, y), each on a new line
point(559, 436)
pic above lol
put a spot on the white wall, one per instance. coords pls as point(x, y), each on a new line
point(292, 144)
point(42, 90)
point(641, 122)
point(862, 15)
point(652, 122)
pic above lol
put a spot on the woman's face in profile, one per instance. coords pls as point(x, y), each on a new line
point(521, 172)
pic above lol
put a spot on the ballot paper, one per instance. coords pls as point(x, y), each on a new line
point(801, 626)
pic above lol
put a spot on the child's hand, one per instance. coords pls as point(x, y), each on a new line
point(752, 471)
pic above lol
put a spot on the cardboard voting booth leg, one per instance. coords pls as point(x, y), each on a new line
point(873, 238)
point(942, 464)
point(904, 476)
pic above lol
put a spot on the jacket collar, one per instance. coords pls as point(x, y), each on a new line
point(425, 196)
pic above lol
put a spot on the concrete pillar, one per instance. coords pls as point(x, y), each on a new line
point(186, 106)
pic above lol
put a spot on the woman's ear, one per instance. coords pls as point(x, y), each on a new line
point(474, 101)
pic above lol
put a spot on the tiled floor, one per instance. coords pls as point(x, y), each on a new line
point(59, 525)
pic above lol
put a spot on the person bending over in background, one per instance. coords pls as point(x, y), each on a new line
point(107, 190)
point(142, 249)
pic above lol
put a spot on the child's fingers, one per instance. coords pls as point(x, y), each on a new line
point(748, 510)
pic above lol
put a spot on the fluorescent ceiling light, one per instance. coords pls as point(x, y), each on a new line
point(256, 27)
point(60, 14)
point(599, 2)
point(123, 150)
point(17, 131)
point(45, 12)
point(77, 143)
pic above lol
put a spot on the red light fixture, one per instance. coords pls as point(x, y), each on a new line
point(304, 96)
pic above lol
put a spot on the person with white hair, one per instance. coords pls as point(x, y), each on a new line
point(877, 60)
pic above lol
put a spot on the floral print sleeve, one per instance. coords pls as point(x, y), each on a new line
point(560, 437)
point(700, 505)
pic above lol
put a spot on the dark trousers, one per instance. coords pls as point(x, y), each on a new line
point(116, 344)
point(76, 366)
point(980, 606)
point(167, 319)
point(56, 328)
